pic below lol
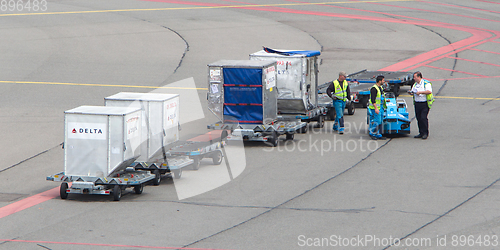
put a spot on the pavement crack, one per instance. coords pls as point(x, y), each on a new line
point(30, 158)
point(279, 206)
point(446, 213)
point(181, 37)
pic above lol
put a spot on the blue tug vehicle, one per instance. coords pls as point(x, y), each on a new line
point(396, 118)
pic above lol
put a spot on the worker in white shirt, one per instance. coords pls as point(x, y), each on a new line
point(422, 99)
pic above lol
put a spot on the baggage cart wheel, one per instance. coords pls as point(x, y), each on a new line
point(351, 109)
point(223, 135)
point(272, 140)
point(321, 122)
point(364, 101)
point(117, 193)
point(217, 157)
point(396, 88)
point(62, 190)
point(303, 130)
point(177, 173)
point(157, 179)
point(138, 189)
point(289, 137)
point(331, 114)
point(196, 163)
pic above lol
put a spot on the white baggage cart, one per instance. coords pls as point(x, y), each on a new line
point(100, 143)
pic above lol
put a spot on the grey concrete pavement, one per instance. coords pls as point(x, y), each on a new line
point(320, 186)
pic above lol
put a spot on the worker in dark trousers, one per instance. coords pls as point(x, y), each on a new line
point(422, 99)
point(376, 108)
point(340, 92)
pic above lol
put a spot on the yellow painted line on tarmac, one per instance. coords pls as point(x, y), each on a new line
point(100, 85)
point(462, 97)
point(197, 8)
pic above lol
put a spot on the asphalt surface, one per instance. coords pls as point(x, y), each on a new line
point(320, 191)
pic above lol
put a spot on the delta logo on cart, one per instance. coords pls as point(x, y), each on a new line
point(87, 131)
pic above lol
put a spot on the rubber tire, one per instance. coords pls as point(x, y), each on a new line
point(217, 157)
point(117, 193)
point(157, 179)
point(272, 140)
point(304, 129)
point(177, 173)
point(223, 135)
point(62, 190)
point(351, 109)
point(321, 121)
point(289, 137)
point(196, 163)
point(396, 89)
point(364, 101)
point(139, 188)
point(331, 114)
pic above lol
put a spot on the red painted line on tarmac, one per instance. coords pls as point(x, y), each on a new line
point(484, 1)
point(462, 78)
point(28, 202)
point(437, 12)
point(104, 245)
point(474, 61)
point(458, 6)
point(438, 53)
point(458, 71)
point(478, 36)
point(492, 52)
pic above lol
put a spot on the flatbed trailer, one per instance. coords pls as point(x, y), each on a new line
point(316, 114)
point(268, 133)
point(176, 157)
point(114, 184)
point(362, 81)
point(180, 155)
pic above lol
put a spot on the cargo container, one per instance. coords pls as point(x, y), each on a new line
point(243, 91)
point(100, 143)
point(160, 118)
point(297, 82)
point(243, 95)
point(101, 140)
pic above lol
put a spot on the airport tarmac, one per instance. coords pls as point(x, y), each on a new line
point(320, 191)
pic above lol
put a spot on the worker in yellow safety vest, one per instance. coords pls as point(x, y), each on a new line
point(340, 92)
point(422, 99)
point(376, 108)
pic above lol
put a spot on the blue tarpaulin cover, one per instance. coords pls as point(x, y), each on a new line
point(243, 95)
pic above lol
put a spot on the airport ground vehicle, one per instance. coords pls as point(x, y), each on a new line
point(362, 81)
point(396, 118)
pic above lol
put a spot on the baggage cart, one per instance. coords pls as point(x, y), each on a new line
point(180, 155)
point(242, 94)
point(160, 118)
point(297, 84)
point(362, 81)
point(111, 185)
point(99, 145)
